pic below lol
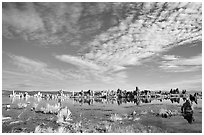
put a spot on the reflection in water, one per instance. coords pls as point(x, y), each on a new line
point(177, 100)
point(14, 99)
point(91, 101)
point(84, 101)
point(136, 101)
point(120, 101)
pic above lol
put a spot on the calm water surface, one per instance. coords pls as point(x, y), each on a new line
point(89, 103)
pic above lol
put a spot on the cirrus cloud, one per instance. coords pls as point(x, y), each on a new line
point(54, 23)
point(94, 71)
point(161, 27)
point(155, 28)
point(115, 36)
point(173, 63)
point(42, 70)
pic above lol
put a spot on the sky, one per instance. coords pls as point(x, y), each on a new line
point(101, 46)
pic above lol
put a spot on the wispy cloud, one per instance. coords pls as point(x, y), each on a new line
point(170, 57)
point(42, 70)
point(155, 30)
point(28, 64)
point(49, 23)
point(36, 74)
point(115, 35)
point(52, 23)
point(156, 27)
point(93, 70)
point(78, 61)
point(173, 63)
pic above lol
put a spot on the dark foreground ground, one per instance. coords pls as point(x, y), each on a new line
point(103, 119)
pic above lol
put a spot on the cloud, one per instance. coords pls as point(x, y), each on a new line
point(170, 57)
point(92, 70)
point(140, 36)
point(27, 64)
point(134, 32)
point(35, 73)
point(42, 70)
point(49, 23)
point(155, 28)
point(18, 22)
point(53, 23)
point(78, 61)
point(173, 63)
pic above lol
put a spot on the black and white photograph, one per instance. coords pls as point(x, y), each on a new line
point(101, 67)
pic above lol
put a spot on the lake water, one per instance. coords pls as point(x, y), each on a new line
point(71, 102)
